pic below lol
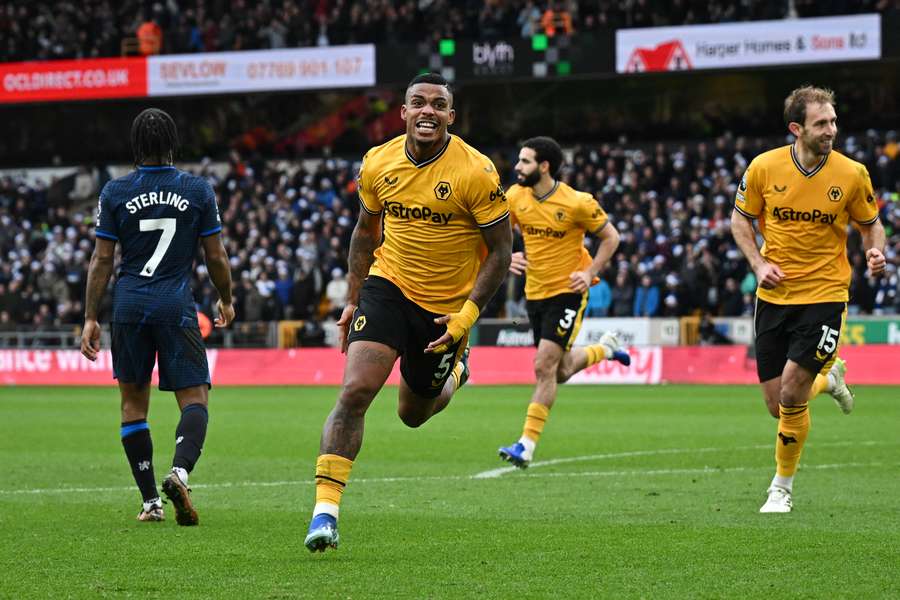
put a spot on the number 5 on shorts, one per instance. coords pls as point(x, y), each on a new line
point(444, 365)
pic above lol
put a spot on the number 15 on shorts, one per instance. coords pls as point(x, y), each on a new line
point(828, 341)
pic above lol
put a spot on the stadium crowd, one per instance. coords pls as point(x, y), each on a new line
point(287, 229)
point(63, 29)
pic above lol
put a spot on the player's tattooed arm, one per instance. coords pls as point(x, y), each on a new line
point(498, 239)
point(98, 276)
point(365, 239)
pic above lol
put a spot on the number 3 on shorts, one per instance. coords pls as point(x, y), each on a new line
point(828, 341)
point(567, 319)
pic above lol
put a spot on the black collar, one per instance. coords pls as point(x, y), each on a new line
point(548, 194)
point(814, 170)
point(427, 161)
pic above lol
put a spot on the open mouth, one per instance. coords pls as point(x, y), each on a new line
point(426, 127)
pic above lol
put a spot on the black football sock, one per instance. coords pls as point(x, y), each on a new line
point(189, 436)
point(139, 450)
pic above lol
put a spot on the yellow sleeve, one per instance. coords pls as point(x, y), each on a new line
point(748, 200)
point(863, 207)
point(512, 199)
point(365, 187)
point(592, 218)
point(487, 199)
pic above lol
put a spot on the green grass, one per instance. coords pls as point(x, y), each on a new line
point(662, 504)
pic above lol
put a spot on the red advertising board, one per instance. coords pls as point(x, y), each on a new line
point(62, 80)
point(872, 364)
point(188, 74)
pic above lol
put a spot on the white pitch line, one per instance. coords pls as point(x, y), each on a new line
point(645, 472)
point(696, 471)
point(492, 473)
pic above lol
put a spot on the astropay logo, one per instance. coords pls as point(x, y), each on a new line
point(497, 58)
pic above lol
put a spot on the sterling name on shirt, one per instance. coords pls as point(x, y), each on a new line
point(155, 199)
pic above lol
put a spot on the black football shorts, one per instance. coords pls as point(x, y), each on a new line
point(808, 334)
point(557, 318)
point(386, 316)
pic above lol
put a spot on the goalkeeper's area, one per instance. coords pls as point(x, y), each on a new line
point(635, 492)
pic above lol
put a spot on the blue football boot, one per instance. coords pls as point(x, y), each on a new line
point(322, 533)
point(610, 341)
point(515, 454)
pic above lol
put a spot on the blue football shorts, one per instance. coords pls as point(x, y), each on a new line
point(179, 350)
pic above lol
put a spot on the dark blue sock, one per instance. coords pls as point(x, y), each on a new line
point(139, 450)
point(189, 436)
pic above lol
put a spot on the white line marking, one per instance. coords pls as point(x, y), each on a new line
point(645, 472)
point(559, 461)
point(696, 471)
point(494, 473)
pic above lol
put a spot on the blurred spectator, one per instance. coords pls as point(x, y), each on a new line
point(528, 19)
point(149, 36)
point(599, 299)
point(673, 300)
point(623, 296)
point(732, 300)
point(557, 20)
point(336, 293)
point(248, 300)
point(646, 298)
point(284, 287)
point(304, 295)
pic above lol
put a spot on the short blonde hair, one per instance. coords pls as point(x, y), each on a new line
point(795, 104)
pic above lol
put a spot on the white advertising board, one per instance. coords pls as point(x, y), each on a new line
point(261, 70)
point(725, 46)
point(632, 331)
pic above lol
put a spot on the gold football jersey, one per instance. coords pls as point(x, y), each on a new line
point(553, 229)
point(433, 212)
point(803, 217)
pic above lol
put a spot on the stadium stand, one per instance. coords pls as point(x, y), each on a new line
point(288, 226)
point(99, 28)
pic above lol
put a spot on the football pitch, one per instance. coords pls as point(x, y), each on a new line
point(636, 492)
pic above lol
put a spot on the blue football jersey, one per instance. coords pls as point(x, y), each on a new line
point(158, 215)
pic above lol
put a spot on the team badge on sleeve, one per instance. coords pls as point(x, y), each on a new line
point(498, 194)
point(739, 196)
